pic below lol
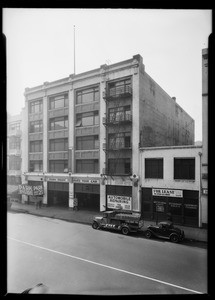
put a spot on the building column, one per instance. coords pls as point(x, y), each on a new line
point(24, 147)
point(71, 134)
point(135, 132)
point(45, 148)
point(71, 195)
point(102, 138)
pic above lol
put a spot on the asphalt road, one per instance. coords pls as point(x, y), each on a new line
point(71, 258)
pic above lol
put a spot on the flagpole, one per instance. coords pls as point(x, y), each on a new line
point(74, 49)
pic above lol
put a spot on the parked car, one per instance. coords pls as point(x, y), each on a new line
point(123, 221)
point(165, 230)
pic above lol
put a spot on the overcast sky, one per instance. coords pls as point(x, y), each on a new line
point(40, 45)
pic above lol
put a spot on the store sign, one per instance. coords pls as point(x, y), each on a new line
point(57, 179)
point(167, 193)
point(91, 181)
point(31, 190)
point(119, 202)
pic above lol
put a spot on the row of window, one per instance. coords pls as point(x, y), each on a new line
point(83, 96)
point(61, 166)
point(115, 166)
point(184, 168)
point(82, 143)
point(14, 126)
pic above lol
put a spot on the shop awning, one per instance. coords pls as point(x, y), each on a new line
point(12, 189)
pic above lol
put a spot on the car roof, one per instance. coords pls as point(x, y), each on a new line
point(166, 223)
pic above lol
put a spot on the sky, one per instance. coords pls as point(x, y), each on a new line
point(40, 47)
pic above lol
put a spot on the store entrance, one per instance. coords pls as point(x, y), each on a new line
point(58, 194)
point(88, 196)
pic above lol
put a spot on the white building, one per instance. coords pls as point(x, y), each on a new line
point(170, 182)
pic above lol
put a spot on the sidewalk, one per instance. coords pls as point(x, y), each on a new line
point(86, 217)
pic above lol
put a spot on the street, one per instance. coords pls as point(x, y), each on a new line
point(71, 258)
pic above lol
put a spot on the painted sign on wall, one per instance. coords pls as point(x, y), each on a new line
point(30, 190)
point(119, 202)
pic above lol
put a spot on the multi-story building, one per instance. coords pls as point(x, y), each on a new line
point(204, 190)
point(171, 184)
point(83, 134)
point(14, 159)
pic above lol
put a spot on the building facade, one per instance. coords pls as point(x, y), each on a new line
point(14, 155)
point(204, 188)
point(171, 184)
point(84, 132)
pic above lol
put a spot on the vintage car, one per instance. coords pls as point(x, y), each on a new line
point(123, 221)
point(165, 230)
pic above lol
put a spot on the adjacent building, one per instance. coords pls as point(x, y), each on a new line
point(83, 134)
point(14, 155)
point(171, 184)
point(204, 187)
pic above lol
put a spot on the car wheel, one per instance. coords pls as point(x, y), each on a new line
point(95, 225)
point(174, 238)
point(148, 234)
point(125, 230)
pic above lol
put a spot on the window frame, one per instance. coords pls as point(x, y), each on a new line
point(183, 168)
point(38, 123)
point(54, 142)
point(39, 162)
point(34, 145)
point(150, 173)
point(57, 119)
point(33, 105)
point(52, 166)
point(90, 90)
point(54, 99)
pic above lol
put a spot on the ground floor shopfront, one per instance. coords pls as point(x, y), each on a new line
point(181, 205)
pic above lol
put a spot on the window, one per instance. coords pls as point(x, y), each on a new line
point(154, 168)
point(14, 143)
point(58, 166)
point(36, 146)
point(58, 101)
point(58, 145)
point(14, 126)
point(119, 190)
point(36, 106)
point(119, 87)
point(120, 140)
point(58, 123)
point(87, 119)
point(119, 166)
point(87, 142)
point(14, 162)
point(87, 95)
point(122, 113)
point(36, 126)
point(184, 168)
point(87, 166)
point(36, 166)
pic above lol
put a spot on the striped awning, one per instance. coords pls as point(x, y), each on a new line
point(12, 189)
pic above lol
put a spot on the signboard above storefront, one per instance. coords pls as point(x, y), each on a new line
point(119, 202)
point(167, 193)
point(86, 180)
point(57, 179)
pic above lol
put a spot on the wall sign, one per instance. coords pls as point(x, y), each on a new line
point(119, 202)
point(167, 193)
point(83, 180)
point(57, 179)
point(31, 190)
